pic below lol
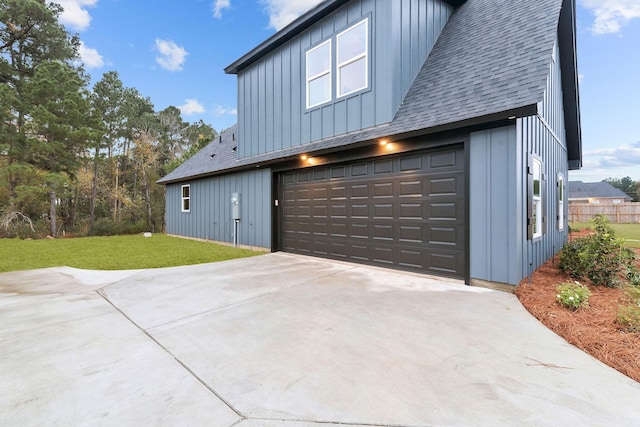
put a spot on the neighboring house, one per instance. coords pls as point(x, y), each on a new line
point(425, 135)
point(596, 193)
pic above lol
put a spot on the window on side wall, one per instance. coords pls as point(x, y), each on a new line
point(186, 198)
point(319, 74)
point(560, 202)
point(352, 65)
point(535, 218)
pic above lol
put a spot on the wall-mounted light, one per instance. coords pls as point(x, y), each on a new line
point(304, 157)
point(384, 142)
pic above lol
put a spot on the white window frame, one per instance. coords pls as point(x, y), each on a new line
point(537, 198)
point(365, 55)
point(561, 190)
point(186, 198)
point(319, 75)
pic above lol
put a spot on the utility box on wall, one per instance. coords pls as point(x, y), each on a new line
point(235, 206)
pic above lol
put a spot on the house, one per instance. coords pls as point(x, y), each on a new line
point(425, 135)
point(596, 193)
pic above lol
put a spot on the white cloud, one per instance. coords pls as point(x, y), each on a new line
point(283, 12)
point(219, 6)
point(191, 106)
point(90, 57)
point(607, 158)
point(580, 78)
point(611, 15)
point(171, 56)
point(75, 14)
point(219, 110)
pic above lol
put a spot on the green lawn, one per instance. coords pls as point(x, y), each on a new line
point(112, 253)
point(629, 232)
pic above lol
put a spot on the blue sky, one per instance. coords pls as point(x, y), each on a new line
point(174, 52)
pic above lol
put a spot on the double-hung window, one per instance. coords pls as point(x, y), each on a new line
point(319, 74)
point(186, 198)
point(537, 198)
point(560, 202)
point(352, 67)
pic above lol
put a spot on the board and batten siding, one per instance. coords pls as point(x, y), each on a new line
point(272, 109)
point(210, 216)
point(499, 247)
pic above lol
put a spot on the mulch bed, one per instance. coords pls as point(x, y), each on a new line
point(593, 329)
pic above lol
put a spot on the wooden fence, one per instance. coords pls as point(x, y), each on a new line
point(624, 213)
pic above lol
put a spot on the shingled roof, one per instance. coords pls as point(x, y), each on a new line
point(490, 63)
point(595, 190)
point(219, 153)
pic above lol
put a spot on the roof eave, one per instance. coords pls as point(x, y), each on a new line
point(570, 92)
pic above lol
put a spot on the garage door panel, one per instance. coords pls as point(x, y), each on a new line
point(360, 211)
point(443, 159)
point(411, 188)
point(383, 167)
point(383, 232)
point(383, 211)
point(359, 191)
point(406, 212)
point(444, 236)
point(383, 190)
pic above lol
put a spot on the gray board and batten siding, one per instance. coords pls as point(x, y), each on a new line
point(499, 191)
point(271, 91)
point(210, 215)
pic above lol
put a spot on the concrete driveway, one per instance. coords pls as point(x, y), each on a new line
point(285, 340)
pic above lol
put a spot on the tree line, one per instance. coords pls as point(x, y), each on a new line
point(626, 185)
point(75, 159)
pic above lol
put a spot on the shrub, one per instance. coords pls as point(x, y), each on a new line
point(573, 295)
point(104, 227)
point(600, 257)
point(629, 317)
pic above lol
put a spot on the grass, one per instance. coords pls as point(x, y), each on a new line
point(112, 253)
point(629, 232)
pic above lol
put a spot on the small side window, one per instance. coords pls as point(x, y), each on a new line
point(560, 204)
point(537, 198)
point(186, 198)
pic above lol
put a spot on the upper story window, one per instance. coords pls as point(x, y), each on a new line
point(319, 74)
point(351, 69)
point(186, 198)
point(352, 66)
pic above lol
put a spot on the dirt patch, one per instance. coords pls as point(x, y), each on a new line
point(593, 329)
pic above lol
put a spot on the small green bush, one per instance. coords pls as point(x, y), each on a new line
point(629, 317)
point(600, 257)
point(573, 295)
point(104, 227)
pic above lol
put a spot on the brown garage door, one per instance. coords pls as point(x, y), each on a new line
point(405, 212)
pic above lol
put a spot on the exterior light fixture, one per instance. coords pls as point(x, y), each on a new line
point(383, 142)
point(304, 157)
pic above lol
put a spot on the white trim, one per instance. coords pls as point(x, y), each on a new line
point(184, 198)
point(319, 75)
point(349, 61)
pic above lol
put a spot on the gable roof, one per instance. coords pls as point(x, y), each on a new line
point(490, 64)
point(294, 28)
point(595, 190)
